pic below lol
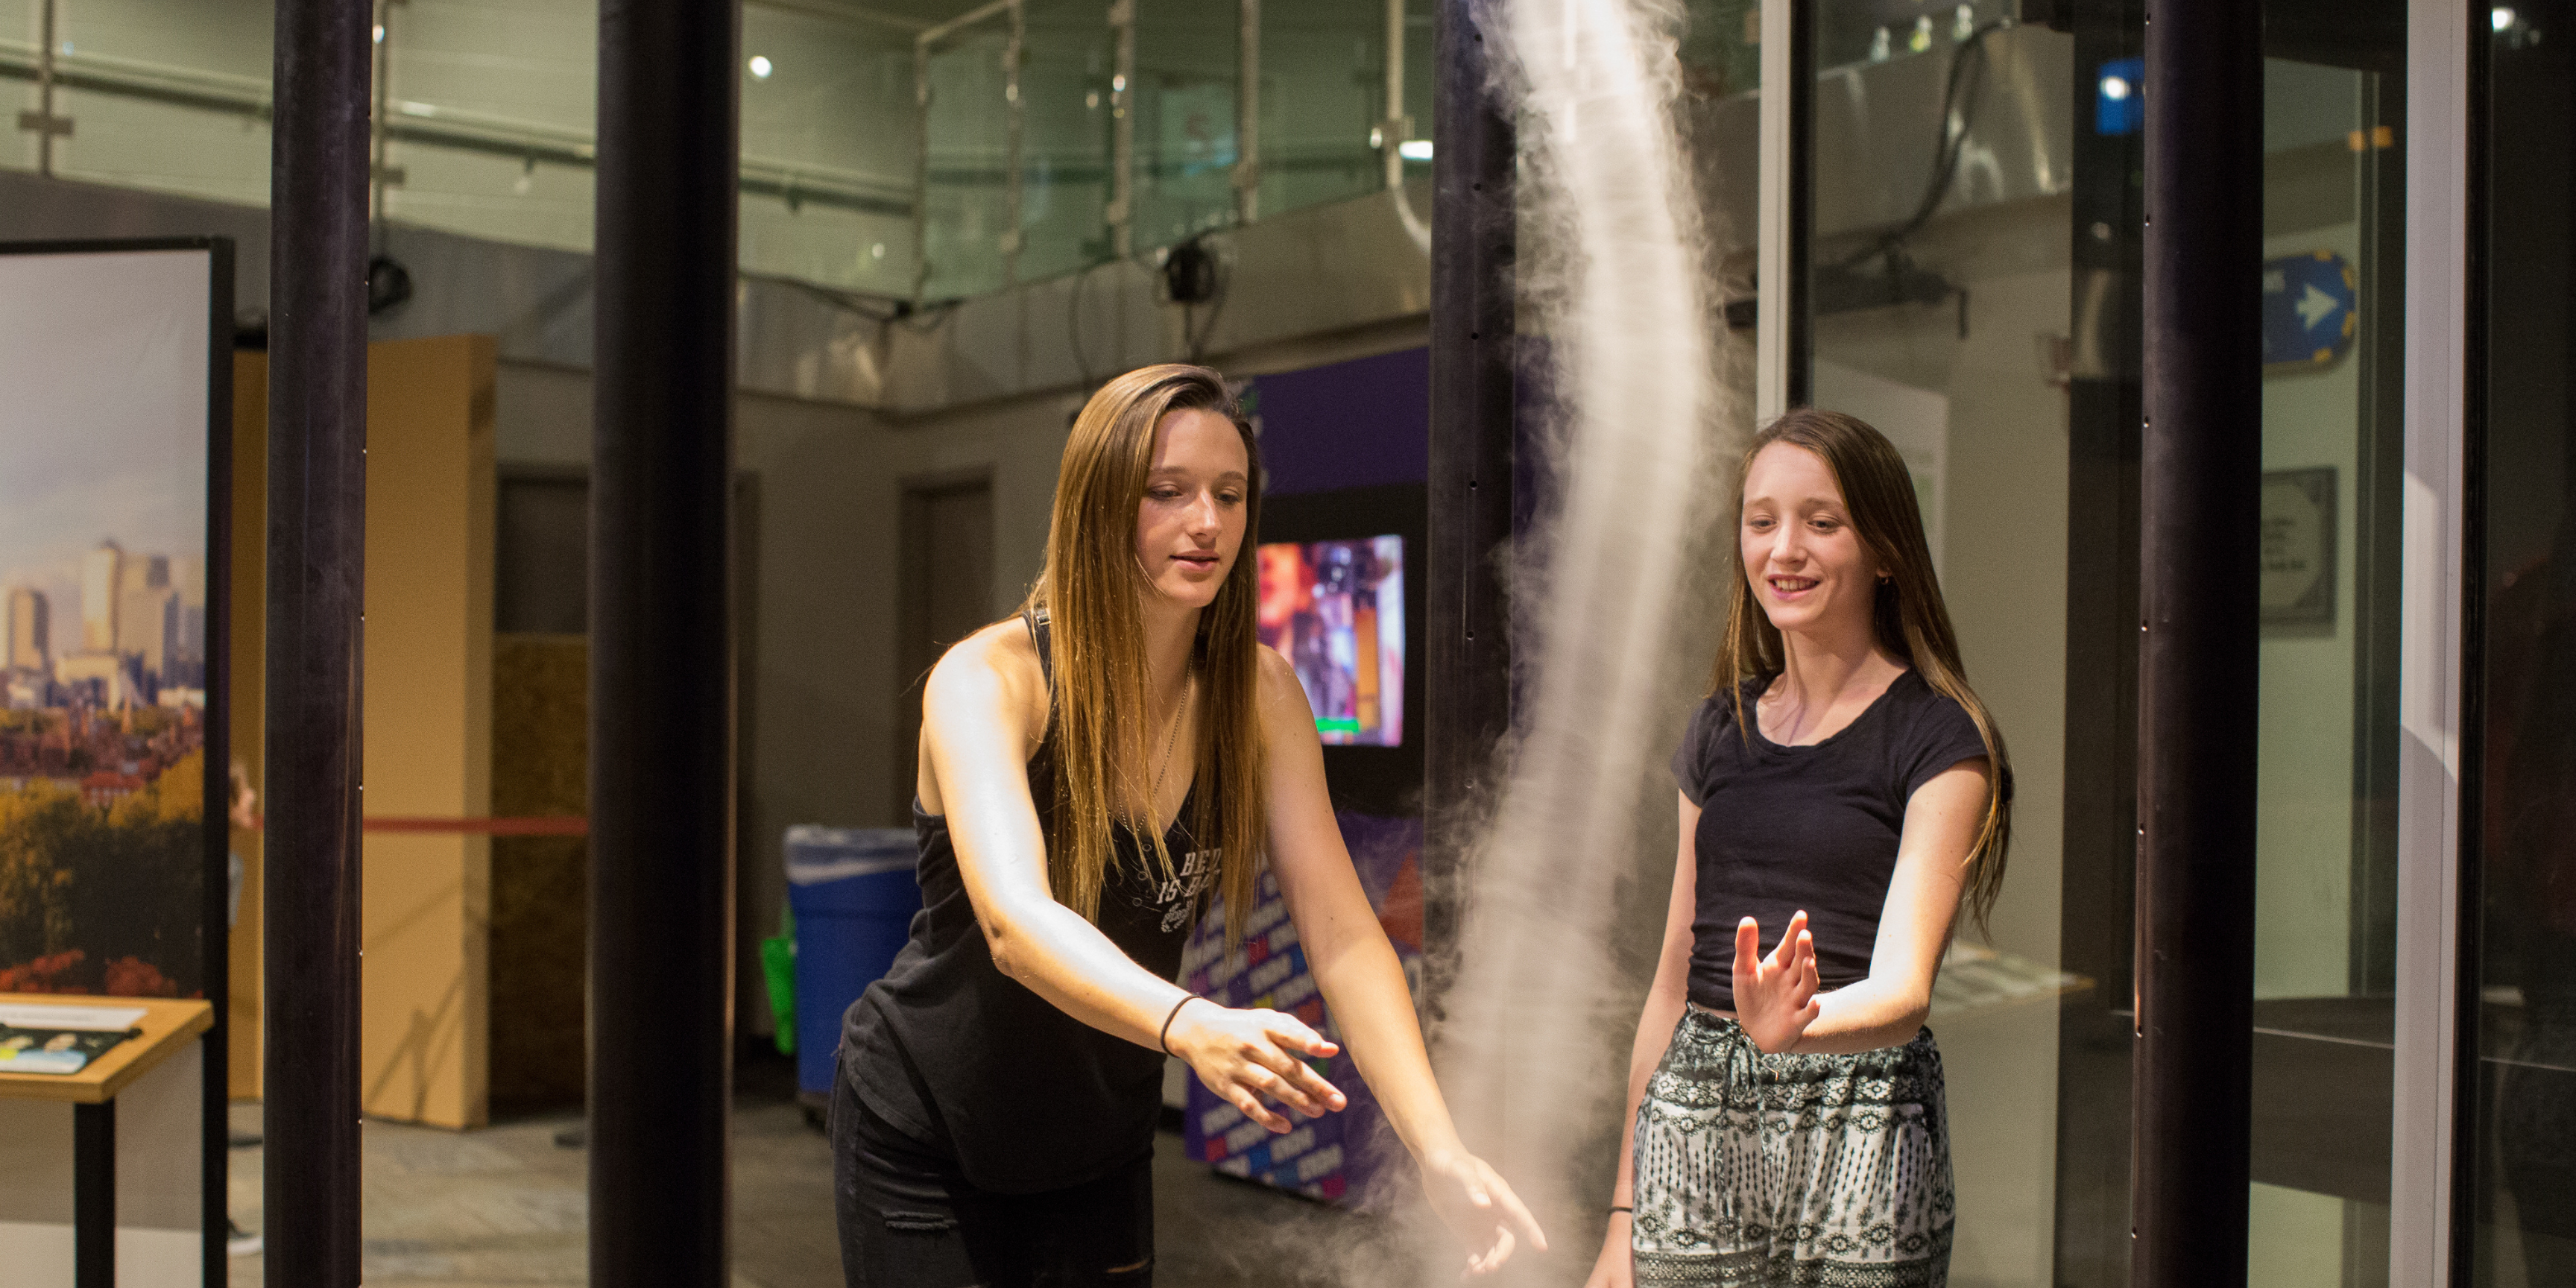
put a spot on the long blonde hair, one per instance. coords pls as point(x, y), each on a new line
point(1911, 620)
point(1090, 591)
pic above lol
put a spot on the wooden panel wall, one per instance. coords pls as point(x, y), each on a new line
point(425, 1032)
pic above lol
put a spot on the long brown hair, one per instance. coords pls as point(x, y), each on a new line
point(1910, 618)
point(1091, 590)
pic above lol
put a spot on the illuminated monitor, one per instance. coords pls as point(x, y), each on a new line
point(1335, 610)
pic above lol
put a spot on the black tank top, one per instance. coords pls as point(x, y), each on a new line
point(965, 1059)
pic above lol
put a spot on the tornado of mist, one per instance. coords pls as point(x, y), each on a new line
point(1614, 273)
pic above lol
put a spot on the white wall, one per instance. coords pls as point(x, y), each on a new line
point(160, 1190)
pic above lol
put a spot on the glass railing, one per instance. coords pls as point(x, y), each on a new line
point(968, 194)
point(889, 150)
point(487, 114)
point(1063, 134)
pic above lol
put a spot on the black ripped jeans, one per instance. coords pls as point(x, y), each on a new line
point(910, 1219)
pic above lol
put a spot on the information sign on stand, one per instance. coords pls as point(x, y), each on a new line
point(116, 370)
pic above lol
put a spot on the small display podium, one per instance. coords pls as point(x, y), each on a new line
point(167, 1027)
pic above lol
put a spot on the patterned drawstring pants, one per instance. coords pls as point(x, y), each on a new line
point(1791, 1171)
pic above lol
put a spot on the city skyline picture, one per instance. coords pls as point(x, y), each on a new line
point(103, 622)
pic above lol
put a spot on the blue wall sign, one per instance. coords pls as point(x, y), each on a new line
point(2310, 308)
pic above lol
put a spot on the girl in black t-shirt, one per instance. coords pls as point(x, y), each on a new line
point(1843, 785)
point(993, 1115)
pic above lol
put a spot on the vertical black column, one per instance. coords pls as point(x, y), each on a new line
point(1798, 295)
point(661, 672)
point(94, 1195)
point(317, 435)
point(214, 1164)
point(2199, 506)
point(2098, 897)
point(1468, 706)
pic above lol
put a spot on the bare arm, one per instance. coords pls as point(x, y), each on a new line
point(1942, 819)
point(1362, 980)
point(977, 716)
point(1665, 1001)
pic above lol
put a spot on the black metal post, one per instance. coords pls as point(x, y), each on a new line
point(2098, 899)
point(661, 671)
point(2199, 508)
point(94, 1195)
point(1468, 706)
point(1798, 295)
point(214, 1164)
point(317, 435)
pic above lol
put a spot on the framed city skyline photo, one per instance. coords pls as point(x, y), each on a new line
point(115, 361)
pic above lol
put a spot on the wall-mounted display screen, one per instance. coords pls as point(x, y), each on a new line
point(1335, 609)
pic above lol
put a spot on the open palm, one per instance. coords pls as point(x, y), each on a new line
point(1775, 996)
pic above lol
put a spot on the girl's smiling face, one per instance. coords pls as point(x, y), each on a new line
point(1189, 527)
point(1808, 567)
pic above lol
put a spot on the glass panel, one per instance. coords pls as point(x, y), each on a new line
point(827, 150)
point(1418, 89)
point(1924, 329)
point(1187, 52)
point(1068, 140)
point(490, 75)
point(1722, 47)
point(1323, 98)
point(1975, 264)
point(968, 197)
point(2099, 367)
point(21, 30)
point(1874, 31)
point(2521, 1152)
point(1721, 57)
point(216, 53)
point(2333, 442)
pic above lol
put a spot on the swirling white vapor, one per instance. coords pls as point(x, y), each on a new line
point(1614, 281)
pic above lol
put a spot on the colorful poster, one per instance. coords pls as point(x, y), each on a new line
point(103, 622)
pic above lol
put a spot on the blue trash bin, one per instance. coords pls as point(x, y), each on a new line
point(853, 892)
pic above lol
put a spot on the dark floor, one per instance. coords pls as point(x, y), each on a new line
point(505, 1205)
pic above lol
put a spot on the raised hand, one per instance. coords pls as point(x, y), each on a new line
point(1479, 1207)
point(1245, 1055)
point(1775, 996)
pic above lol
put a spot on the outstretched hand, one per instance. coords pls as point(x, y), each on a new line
point(1479, 1207)
point(1775, 996)
point(1245, 1056)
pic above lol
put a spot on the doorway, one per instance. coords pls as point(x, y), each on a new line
point(944, 594)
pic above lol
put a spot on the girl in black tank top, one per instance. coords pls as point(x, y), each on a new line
point(997, 1091)
point(1843, 790)
point(917, 1045)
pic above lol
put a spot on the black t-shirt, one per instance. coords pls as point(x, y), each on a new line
point(1813, 827)
point(968, 1060)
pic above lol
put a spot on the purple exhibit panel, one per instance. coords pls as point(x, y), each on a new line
point(1361, 423)
point(1338, 1158)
